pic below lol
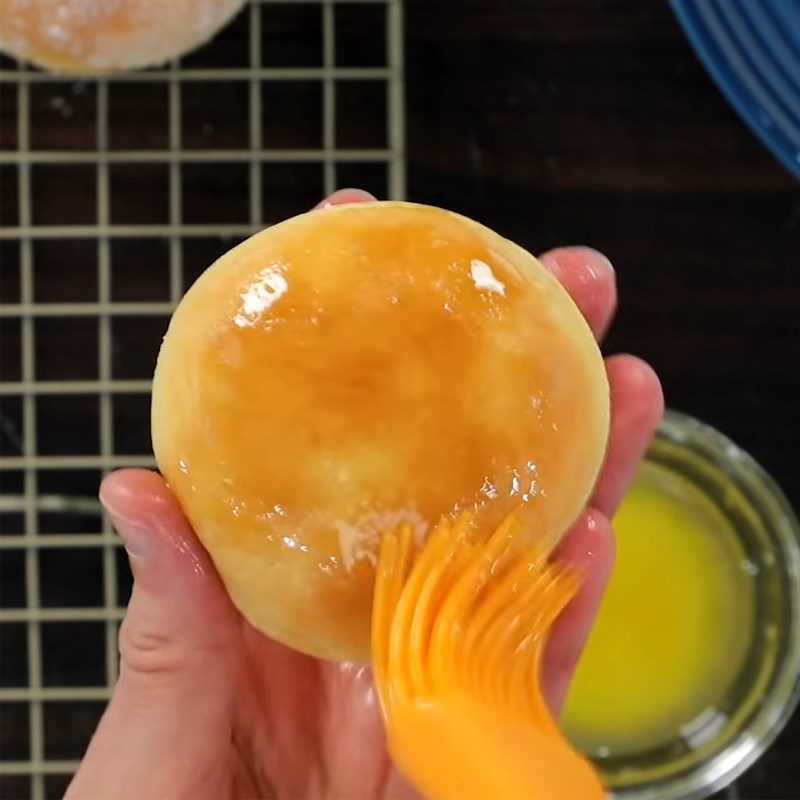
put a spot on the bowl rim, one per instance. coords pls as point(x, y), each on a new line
point(749, 743)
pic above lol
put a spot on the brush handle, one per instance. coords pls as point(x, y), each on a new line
point(455, 749)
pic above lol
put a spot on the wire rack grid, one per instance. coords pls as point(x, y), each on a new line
point(104, 222)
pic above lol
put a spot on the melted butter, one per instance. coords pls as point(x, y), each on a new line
point(484, 278)
point(342, 372)
point(674, 626)
point(268, 287)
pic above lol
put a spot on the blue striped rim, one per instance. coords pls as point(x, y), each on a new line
point(752, 50)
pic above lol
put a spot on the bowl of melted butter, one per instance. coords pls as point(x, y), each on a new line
point(692, 667)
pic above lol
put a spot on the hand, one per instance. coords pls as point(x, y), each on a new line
point(208, 707)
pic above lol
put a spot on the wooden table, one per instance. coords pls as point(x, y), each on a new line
point(593, 122)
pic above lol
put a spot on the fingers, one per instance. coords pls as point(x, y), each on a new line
point(174, 694)
point(343, 196)
point(357, 765)
point(588, 548)
point(590, 280)
point(171, 572)
point(637, 406)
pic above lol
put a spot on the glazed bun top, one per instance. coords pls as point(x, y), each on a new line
point(90, 36)
point(360, 368)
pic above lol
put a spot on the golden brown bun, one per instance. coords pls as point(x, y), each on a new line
point(356, 368)
point(87, 36)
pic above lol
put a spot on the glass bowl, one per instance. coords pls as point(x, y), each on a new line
point(726, 740)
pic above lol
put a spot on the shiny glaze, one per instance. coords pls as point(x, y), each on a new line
point(357, 368)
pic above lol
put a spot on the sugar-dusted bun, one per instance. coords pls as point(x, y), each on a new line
point(104, 35)
point(354, 369)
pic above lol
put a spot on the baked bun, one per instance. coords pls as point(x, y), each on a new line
point(87, 36)
point(358, 368)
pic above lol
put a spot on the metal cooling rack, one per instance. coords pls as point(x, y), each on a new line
point(51, 531)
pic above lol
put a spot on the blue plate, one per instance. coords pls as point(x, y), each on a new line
point(752, 50)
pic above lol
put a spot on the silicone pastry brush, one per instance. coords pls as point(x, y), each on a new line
point(459, 630)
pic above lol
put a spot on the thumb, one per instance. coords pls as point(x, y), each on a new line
point(166, 731)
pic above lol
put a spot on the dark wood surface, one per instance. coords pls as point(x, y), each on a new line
point(593, 122)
